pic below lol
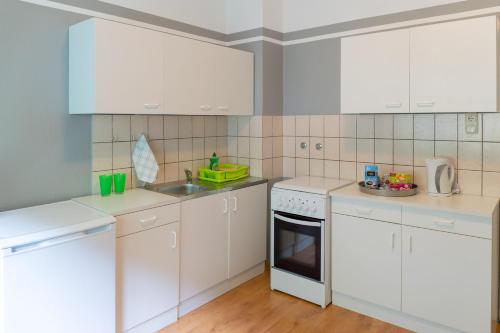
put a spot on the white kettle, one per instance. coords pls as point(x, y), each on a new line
point(440, 176)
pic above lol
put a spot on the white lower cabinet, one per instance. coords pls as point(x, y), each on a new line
point(367, 260)
point(446, 278)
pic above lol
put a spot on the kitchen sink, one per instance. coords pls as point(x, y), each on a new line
point(181, 190)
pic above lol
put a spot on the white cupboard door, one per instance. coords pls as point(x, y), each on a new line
point(203, 243)
point(367, 260)
point(189, 76)
point(147, 275)
point(375, 73)
point(128, 69)
point(446, 279)
point(247, 228)
point(234, 82)
point(453, 66)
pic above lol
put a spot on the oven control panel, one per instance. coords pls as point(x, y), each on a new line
point(299, 203)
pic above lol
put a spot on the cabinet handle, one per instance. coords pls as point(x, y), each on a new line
point(364, 211)
point(225, 206)
point(425, 104)
point(410, 244)
point(148, 222)
point(205, 107)
point(174, 245)
point(392, 240)
point(223, 108)
point(235, 207)
point(393, 105)
point(152, 106)
point(444, 223)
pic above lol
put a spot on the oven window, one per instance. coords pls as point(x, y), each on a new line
point(297, 247)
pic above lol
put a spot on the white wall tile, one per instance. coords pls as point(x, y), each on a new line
point(243, 126)
point(317, 126)
point(256, 148)
point(102, 128)
point(267, 147)
point(139, 125)
point(198, 126)
point(332, 169)
point(102, 156)
point(185, 150)
point(171, 151)
point(157, 146)
point(491, 184)
point(197, 164)
point(448, 149)
point(302, 126)
point(446, 126)
point(155, 127)
point(277, 167)
point(383, 151)
point(277, 126)
point(289, 126)
point(299, 151)
point(347, 149)
point(384, 169)
point(314, 152)
point(366, 150)
point(424, 127)
point(301, 167)
point(403, 126)
point(422, 151)
point(289, 146)
point(332, 126)
point(491, 127)
point(288, 167)
point(463, 136)
point(121, 155)
point(232, 126)
point(267, 126)
point(170, 127)
point(491, 159)
point(470, 155)
point(160, 176)
point(243, 147)
point(210, 126)
point(198, 148)
point(121, 128)
point(256, 126)
point(255, 167)
point(316, 168)
point(210, 146)
point(267, 168)
point(232, 146)
point(222, 125)
point(365, 126)
point(332, 149)
point(185, 127)
point(470, 182)
point(403, 152)
point(347, 124)
point(420, 178)
point(404, 169)
point(347, 170)
point(277, 146)
point(222, 146)
point(384, 126)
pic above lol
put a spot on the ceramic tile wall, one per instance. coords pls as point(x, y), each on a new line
point(399, 142)
point(178, 142)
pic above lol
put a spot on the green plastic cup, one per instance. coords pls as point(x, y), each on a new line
point(105, 183)
point(119, 180)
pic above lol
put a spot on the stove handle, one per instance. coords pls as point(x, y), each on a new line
point(294, 221)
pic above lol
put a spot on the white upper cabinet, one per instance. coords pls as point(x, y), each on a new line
point(115, 68)
point(374, 73)
point(445, 67)
point(453, 66)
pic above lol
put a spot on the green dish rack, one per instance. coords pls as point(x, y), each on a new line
point(221, 176)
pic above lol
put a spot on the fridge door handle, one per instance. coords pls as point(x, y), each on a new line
point(57, 240)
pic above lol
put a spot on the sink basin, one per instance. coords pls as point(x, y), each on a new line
point(182, 189)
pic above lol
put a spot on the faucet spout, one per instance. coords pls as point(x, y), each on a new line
point(189, 176)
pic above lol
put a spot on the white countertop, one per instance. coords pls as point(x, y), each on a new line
point(128, 202)
point(33, 224)
point(318, 185)
point(460, 203)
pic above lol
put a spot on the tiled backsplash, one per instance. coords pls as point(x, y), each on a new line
point(399, 142)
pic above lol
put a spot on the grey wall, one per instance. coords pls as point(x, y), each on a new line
point(44, 152)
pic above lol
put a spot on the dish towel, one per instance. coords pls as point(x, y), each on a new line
point(144, 160)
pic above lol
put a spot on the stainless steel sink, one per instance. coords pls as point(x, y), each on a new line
point(181, 190)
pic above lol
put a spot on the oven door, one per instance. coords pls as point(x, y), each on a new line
point(298, 245)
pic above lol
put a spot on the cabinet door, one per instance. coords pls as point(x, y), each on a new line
point(367, 260)
point(234, 82)
point(374, 73)
point(147, 274)
point(247, 228)
point(453, 66)
point(189, 76)
point(446, 278)
point(129, 69)
point(204, 243)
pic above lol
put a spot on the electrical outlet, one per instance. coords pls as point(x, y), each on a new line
point(471, 123)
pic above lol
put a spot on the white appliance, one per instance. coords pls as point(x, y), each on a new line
point(58, 270)
point(300, 237)
point(440, 176)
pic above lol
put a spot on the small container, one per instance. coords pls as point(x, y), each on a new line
point(371, 176)
point(105, 184)
point(119, 180)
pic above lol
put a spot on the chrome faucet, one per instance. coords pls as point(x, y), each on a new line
point(189, 176)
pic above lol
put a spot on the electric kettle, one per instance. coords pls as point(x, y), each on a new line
point(440, 176)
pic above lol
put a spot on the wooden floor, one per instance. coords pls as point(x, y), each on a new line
point(254, 308)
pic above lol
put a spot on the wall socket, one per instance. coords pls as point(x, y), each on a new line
point(471, 123)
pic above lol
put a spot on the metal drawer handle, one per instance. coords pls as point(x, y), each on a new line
point(444, 223)
point(393, 105)
point(152, 106)
point(148, 222)
point(425, 104)
point(174, 244)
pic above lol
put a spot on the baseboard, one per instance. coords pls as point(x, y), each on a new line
point(196, 301)
point(157, 323)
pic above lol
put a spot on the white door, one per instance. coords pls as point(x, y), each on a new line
point(247, 228)
point(147, 274)
point(189, 76)
point(446, 279)
point(453, 66)
point(61, 285)
point(129, 69)
point(367, 260)
point(234, 82)
point(203, 243)
point(374, 73)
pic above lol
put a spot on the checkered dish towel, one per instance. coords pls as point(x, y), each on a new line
point(145, 164)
